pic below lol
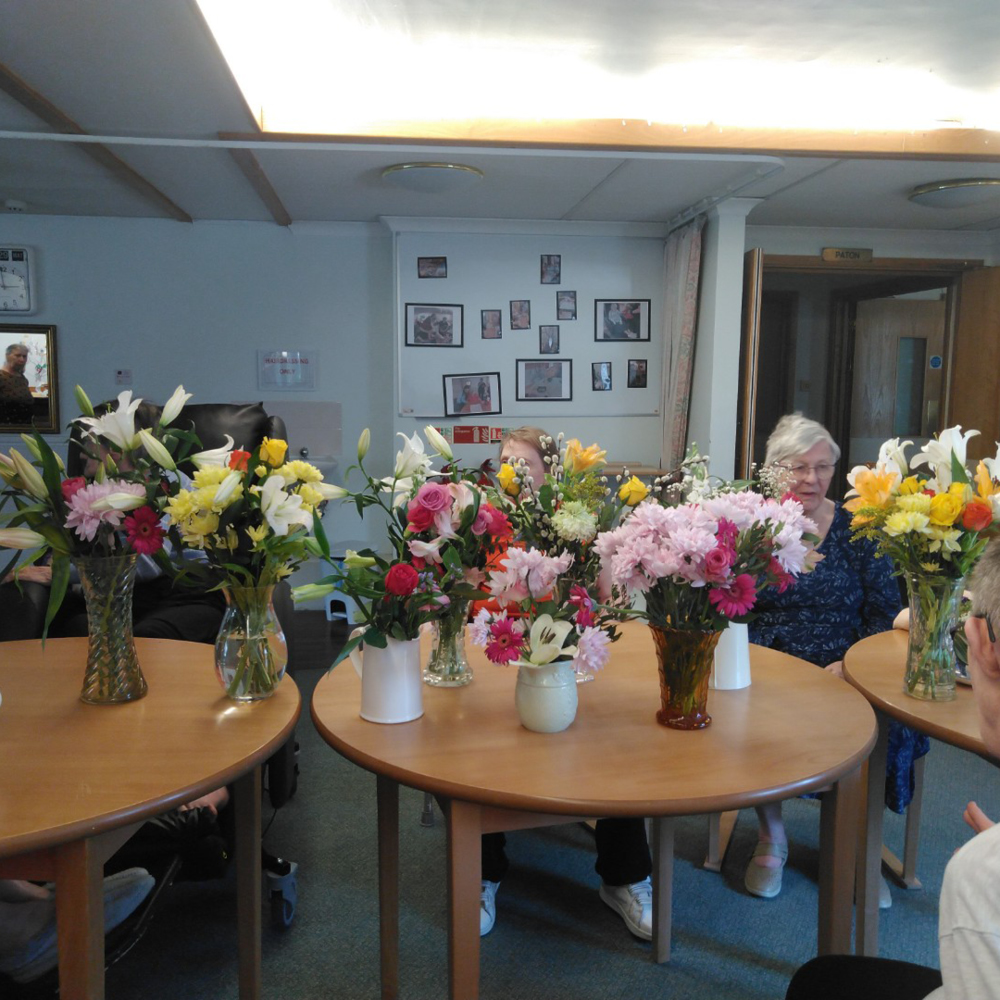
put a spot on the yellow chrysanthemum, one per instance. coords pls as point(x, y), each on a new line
point(210, 475)
point(911, 485)
point(919, 503)
point(180, 506)
point(311, 497)
point(579, 459)
point(946, 508)
point(904, 522)
point(299, 470)
point(196, 528)
point(874, 489)
point(634, 491)
point(272, 451)
point(507, 478)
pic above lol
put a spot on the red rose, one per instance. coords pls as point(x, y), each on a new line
point(402, 579)
point(499, 526)
point(419, 518)
point(238, 460)
point(70, 487)
point(977, 516)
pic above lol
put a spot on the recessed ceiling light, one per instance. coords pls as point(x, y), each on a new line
point(431, 178)
point(958, 193)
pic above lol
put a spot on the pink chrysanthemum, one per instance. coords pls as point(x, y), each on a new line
point(592, 650)
point(737, 599)
point(84, 520)
point(143, 531)
point(506, 642)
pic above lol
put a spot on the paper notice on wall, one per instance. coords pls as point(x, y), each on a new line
point(296, 370)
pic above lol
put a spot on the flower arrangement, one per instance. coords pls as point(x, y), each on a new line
point(550, 628)
point(701, 565)
point(114, 509)
point(936, 521)
point(441, 529)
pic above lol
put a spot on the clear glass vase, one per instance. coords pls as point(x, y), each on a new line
point(250, 649)
point(684, 659)
point(447, 665)
point(930, 652)
point(113, 674)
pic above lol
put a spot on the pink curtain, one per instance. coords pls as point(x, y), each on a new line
point(681, 267)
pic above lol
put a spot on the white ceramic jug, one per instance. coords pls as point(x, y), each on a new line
point(731, 669)
point(545, 696)
point(391, 686)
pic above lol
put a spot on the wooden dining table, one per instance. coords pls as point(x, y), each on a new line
point(875, 666)
point(76, 780)
point(795, 729)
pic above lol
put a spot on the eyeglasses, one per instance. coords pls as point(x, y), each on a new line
point(823, 471)
point(989, 624)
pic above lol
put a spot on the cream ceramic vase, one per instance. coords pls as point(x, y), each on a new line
point(545, 696)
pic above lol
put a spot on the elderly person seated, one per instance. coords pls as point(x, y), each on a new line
point(848, 596)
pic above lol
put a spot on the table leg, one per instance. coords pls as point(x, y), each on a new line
point(465, 872)
point(838, 836)
point(663, 885)
point(80, 920)
point(387, 794)
point(246, 807)
point(870, 846)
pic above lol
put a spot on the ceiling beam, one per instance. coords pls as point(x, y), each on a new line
point(44, 109)
point(259, 181)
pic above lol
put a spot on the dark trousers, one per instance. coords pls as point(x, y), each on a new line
point(836, 977)
point(622, 852)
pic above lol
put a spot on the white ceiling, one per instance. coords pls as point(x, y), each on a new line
point(147, 71)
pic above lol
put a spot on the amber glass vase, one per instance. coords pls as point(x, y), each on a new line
point(684, 659)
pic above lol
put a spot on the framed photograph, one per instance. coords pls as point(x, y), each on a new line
point(565, 305)
point(538, 380)
point(548, 340)
point(432, 267)
point(471, 392)
point(637, 373)
point(433, 325)
point(551, 269)
point(621, 319)
point(600, 376)
point(490, 319)
point(520, 314)
point(29, 390)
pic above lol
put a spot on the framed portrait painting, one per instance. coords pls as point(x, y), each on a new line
point(551, 268)
point(471, 392)
point(539, 380)
point(637, 368)
point(565, 305)
point(490, 321)
point(621, 319)
point(432, 267)
point(29, 389)
point(548, 340)
point(434, 325)
point(600, 376)
point(520, 314)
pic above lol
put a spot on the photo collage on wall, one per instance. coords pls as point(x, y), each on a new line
point(548, 377)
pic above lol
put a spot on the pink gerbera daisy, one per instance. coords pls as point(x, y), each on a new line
point(506, 641)
point(736, 599)
point(142, 528)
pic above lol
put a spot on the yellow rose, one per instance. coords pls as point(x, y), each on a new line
point(911, 485)
point(580, 459)
point(272, 451)
point(963, 491)
point(945, 509)
point(507, 478)
point(634, 491)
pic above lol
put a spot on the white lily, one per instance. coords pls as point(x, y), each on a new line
point(117, 426)
point(411, 461)
point(993, 464)
point(156, 450)
point(546, 640)
point(892, 456)
point(29, 476)
point(119, 501)
point(226, 489)
point(330, 492)
point(937, 454)
point(20, 538)
point(438, 443)
point(353, 561)
point(214, 456)
point(173, 406)
point(312, 591)
point(83, 403)
point(281, 510)
point(364, 443)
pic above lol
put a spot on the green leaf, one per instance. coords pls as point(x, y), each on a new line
point(319, 534)
point(958, 473)
point(57, 591)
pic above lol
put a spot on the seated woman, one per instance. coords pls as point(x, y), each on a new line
point(623, 860)
point(850, 595)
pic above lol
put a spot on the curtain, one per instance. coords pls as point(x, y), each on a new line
point(681, 268)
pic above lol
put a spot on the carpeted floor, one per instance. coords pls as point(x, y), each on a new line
point(554, 938)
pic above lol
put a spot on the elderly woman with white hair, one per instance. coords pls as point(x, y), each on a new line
point(851, 594)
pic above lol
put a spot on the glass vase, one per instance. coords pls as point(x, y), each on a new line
point(447, 665)
point(684, 659)
point(250, 649)
point(930, 652)
point(113, 674)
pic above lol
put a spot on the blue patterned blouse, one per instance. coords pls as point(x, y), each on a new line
point(850, 595)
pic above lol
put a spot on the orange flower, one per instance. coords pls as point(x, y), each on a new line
point(978, 515)
point(238, 460)
point(874, 489)
point(580, 459)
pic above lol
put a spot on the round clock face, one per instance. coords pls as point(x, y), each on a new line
point(13, 290)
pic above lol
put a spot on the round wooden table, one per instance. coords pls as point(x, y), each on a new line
point(875, 666)
point(78, 779)
point(795, 729)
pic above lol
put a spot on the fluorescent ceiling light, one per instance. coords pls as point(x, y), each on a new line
point(334, 67)
point(431, 178)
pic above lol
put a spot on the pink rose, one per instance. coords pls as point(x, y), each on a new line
point(70, 487)
point(717, 563)
point(433, 496)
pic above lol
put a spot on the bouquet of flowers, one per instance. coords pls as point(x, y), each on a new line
point(549, 629)
point(930, 516)
point(441, 530)
point(114, 510)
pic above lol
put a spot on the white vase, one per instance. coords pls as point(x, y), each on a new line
point(731, 669)
point(545, 696)
point(391, 686)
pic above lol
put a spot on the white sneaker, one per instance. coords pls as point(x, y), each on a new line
point(487, 906)
point(634, 904)
point(884, 896)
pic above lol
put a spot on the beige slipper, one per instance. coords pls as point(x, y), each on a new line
point(761, 881)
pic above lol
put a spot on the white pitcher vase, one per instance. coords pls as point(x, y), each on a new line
point(391, 684)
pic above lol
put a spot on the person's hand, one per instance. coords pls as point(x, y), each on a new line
point(32, 574)
point(976, 818)
point(837, 669)
point(213, 802)
point(902, 620)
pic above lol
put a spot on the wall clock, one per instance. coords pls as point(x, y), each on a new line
point(17, 293)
